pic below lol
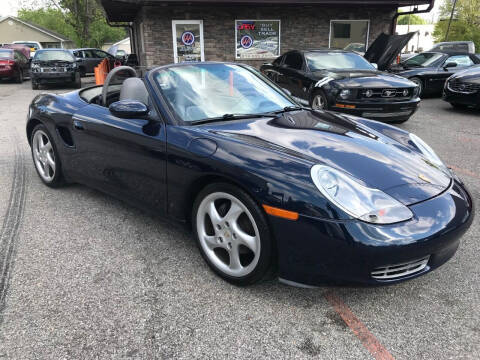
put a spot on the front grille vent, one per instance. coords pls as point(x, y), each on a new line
point(387, 93)
point(391, 272)
point(463, 87)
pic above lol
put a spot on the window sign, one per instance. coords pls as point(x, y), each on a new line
point(188, 41)
point(349, 34)
point(257, 39)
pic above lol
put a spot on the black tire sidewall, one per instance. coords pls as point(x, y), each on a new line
point(266, 259)
point(58, 178)
point(34, 85)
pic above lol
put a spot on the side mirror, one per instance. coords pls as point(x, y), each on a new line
point(286, 91)
point(128, 109)
point(375, 65)
point(450, 65)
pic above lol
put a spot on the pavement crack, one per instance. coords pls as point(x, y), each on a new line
point(11, 224)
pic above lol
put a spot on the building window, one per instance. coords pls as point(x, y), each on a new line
point(188, 41)
point(350, 34)
point(257, 39)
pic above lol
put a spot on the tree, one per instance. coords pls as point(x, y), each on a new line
point(465, 24)
point(82, 21)
point(414, 20)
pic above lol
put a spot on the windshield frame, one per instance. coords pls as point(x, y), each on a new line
point(170, 114)
point(337, 69)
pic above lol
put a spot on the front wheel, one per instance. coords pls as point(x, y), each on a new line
point(419, 83)
point(232, 234)
point(77, 83)
point(45, 157)
point(19, 77)
point(319, 101)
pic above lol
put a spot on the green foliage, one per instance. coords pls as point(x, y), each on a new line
point(465, 24)
point(82, 21)
point(414, 20)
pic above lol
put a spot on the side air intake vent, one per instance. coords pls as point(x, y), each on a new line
point(391, 272)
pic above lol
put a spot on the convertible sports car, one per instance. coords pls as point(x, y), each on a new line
point(429, 70)
point(344, 81)
point(268, 187)
point(463, 89)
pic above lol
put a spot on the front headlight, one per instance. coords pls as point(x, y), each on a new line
point(426, 150)
point(35, 67)
point(357, 200)
point(345, 94)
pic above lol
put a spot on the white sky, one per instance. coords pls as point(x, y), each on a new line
point(10, 7)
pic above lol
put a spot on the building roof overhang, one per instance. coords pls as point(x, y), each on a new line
point(126, 10)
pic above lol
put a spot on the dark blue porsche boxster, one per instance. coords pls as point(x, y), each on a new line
point(268, 187)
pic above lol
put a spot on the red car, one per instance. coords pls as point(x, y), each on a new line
point(13, 65)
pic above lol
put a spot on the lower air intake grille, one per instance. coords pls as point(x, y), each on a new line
point(399, 270)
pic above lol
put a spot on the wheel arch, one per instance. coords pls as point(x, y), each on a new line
point(30, 126)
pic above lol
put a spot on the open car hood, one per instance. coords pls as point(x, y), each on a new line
point(385, 48)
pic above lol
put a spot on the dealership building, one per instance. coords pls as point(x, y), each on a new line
point(252, 32)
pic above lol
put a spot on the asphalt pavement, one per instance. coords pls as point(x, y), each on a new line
point(88, 277)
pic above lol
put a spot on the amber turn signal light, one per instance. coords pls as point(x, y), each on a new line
point(285, 214)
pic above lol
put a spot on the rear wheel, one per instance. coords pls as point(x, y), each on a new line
point(419, 83)
point(45, 157)
point(19, 77)
point(319, 101)
point(82, 72)
point(232, 234)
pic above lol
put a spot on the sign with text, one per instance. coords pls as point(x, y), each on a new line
point(257, 39)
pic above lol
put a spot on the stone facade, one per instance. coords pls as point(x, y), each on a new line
point(302, 27)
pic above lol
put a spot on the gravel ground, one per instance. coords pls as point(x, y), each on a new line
point(90, 277)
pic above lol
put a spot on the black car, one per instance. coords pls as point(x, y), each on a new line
point(463, 89)
point(54, 66)
point(344, 81)
point(429, 70)
point(88, 59)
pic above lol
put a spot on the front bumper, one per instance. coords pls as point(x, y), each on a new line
point(378, 110)
point(461, 98)
point(314, 251)
point(51, 78)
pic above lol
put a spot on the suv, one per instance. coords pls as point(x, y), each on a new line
point(88, 59)
point(463, 46)
point(54, 66)
point(33, 45)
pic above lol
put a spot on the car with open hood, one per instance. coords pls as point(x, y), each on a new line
point(267, 186)
point(54, 66)
point(463, 88)
point(346, 82)
point(429, 70)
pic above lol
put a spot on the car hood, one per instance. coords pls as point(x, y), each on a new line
point(386, 48)
point(365, 78)
point(339, 141)
point(469, 75)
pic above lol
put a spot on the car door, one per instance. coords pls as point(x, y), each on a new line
point(294, 74)
point(90, 60)
point(25, 65)
point(123, 157)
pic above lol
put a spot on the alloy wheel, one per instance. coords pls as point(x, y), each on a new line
point(318, 102)
point(44, 156)
point(228, 234)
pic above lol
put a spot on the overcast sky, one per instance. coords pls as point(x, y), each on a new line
point(10, 7)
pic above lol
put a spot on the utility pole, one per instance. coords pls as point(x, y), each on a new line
point(450, 21)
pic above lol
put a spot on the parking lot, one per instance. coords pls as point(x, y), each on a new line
point(87, 276)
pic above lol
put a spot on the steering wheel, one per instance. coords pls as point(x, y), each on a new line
point(109, 78)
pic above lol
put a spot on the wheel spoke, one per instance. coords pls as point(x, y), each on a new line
point(46, 169)
point(48, 146)
point(233, 213)
point(243, 238)
point(210, 241)
point(50, 161)
point(213, 213)
point(235, 259)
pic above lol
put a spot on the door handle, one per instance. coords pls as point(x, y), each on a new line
point(78, 125)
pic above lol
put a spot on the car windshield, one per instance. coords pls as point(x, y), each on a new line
point(206, 91)
point(6, 54)
point(53, 55)
point(424, 59)
point(336, 60)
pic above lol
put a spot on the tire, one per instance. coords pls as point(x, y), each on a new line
point(459, 106)
point(319, 101)
point(82, 72)
point(45, 157)
point(419, 83)
point(222, 238)
point(77, 83)
point(34, 85)
point(19, 77)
